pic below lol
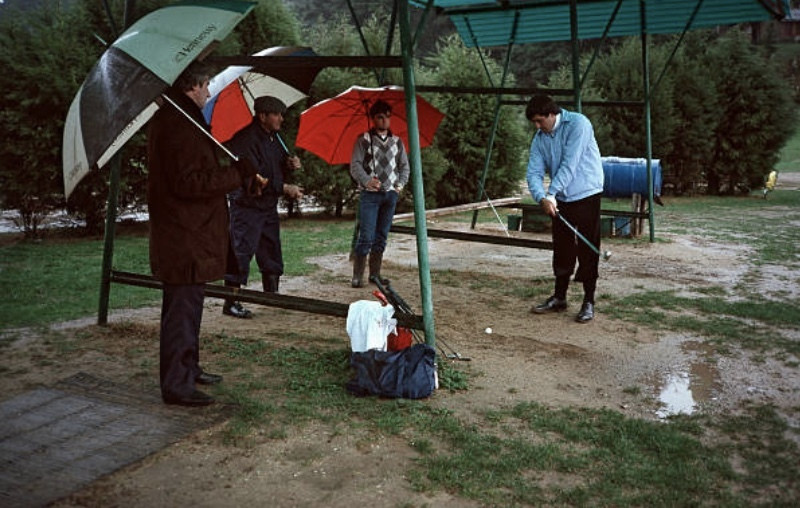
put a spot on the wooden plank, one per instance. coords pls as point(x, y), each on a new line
point(467, 207)
point(532, 207)
point(476, 237)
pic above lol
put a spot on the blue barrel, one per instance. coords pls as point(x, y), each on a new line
point(624, 177)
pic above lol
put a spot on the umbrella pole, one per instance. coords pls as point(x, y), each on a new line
point(202, 129)
point(283, 145)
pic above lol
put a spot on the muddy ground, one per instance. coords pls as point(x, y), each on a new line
point(547, 359)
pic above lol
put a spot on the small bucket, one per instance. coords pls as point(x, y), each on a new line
point(622, 226)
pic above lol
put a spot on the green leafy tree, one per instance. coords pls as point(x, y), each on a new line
point(47, 53)
point(43, 59)
point(618, 76)
point(270, 24)
point(695, 97)
point(755, 111)
point(463, 134)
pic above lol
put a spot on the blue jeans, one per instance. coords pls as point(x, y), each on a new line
point(376, 211)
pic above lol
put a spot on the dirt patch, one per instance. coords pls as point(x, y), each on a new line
point(547, 359)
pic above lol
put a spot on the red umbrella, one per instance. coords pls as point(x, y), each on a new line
point(329, 128)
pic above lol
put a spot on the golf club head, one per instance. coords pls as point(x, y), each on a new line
point(606, 255)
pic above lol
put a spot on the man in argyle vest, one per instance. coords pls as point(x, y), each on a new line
point(380, 167)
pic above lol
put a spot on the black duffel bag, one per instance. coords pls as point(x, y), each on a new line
point(408, 373)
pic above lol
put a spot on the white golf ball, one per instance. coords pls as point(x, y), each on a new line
point(488, 330)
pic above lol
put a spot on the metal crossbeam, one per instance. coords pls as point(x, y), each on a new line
point(297, 303)
point(263, 63)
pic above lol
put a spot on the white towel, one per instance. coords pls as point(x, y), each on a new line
point(368, 325)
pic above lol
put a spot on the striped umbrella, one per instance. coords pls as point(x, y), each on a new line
point(119, 95)
point(234, 90)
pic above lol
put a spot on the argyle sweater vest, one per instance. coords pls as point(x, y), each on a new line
point(381, 157)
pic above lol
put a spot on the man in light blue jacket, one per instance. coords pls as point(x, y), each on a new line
point(565, 148)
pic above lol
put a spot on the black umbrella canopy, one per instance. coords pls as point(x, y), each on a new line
point(118, 96)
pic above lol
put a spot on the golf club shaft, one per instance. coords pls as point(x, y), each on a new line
point(579, 235)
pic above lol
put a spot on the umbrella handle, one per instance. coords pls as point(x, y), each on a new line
point(202, 129)
point(280, 139)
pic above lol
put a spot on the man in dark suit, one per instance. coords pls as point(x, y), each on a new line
point(189, 242)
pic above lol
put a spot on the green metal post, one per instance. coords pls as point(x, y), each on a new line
point(576, 53)
point(648, 132)
point(108, 240)
point(677, 45)
point(415, 161)
point(495, 122)
point(361, 36)
point(600, 44)
point(421, 24)
point(113, 198)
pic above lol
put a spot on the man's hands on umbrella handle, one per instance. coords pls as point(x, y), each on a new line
point(293, 163)
point(293, 191)
point(548, 204)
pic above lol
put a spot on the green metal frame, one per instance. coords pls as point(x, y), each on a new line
point(408, 42)
point(415, 161)
point(495, 122)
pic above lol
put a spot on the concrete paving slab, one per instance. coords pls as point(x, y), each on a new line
point(56, 440)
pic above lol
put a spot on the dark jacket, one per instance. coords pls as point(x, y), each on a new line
point(186, 189)
point(265, 152)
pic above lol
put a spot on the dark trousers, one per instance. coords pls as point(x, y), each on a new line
point(181, 314)
point(255, 231)
point(375, 214)
point(584, 215)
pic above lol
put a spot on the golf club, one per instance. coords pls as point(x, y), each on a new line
point(604, 255)
point(400, 305)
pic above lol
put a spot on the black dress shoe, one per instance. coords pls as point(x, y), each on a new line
point(586, 314)
point(552, 304)
point(208, 379)
point(236, 310)
point(197, 398)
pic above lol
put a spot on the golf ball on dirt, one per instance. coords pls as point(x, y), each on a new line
point(488, 330)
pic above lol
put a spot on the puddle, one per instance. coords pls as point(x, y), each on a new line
point(676, 396)
point(684, 390)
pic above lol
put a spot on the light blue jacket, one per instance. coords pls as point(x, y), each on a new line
point(570, 156)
